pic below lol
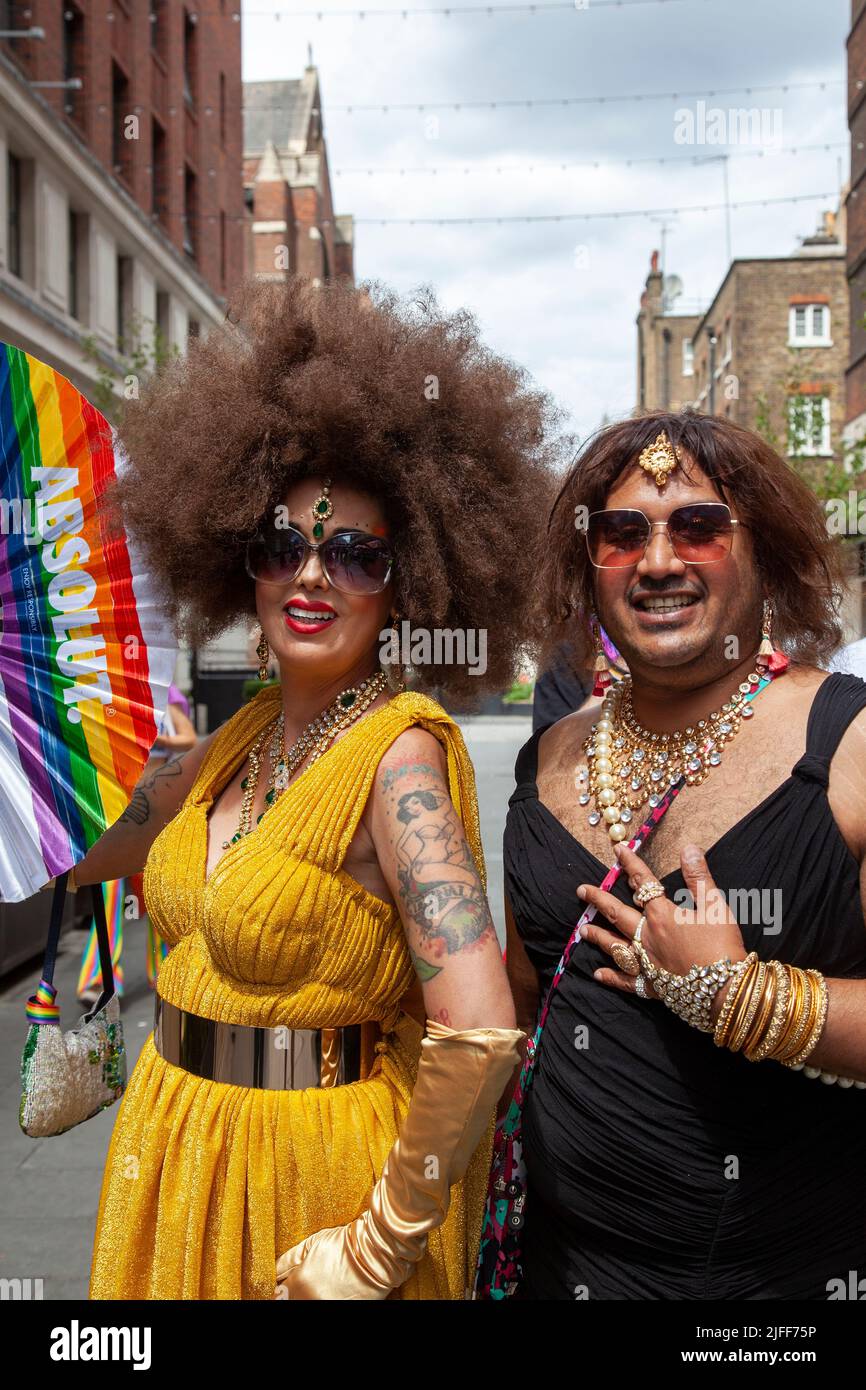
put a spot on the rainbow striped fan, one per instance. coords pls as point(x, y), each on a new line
point(86, 655)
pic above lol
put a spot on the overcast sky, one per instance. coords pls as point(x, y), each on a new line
point(561, 297)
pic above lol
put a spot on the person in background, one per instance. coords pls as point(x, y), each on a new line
point(564, 686)
point(559, 689)
point(178, 733)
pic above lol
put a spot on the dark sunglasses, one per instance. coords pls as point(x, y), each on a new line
point(700, 534)
point(352, 561)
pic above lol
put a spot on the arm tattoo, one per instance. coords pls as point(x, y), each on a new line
point(139, 808)
point(390, 774)
point(439, 884)
point(424, 969)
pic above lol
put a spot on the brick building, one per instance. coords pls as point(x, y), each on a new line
point(665, 374)
point(287, 186)
point(771, 354)
point(121, 202)
point(771, 350)
point(856, 218)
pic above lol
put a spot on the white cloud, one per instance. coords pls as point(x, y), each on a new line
point(571, 324)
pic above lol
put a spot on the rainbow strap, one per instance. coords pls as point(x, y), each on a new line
point(90, 972)
point(155, 950)
point(40, 1007)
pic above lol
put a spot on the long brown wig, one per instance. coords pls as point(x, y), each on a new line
point(800, 564)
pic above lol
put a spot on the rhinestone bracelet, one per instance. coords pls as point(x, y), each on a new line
point(689, 996)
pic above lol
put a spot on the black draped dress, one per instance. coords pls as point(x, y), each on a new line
point(661, 1166)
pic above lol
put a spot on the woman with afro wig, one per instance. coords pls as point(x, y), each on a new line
point(334, 463)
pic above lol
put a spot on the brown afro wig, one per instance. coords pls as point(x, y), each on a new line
point(397, 397)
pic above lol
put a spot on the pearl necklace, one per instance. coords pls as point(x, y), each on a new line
point(317, 736)
point(630, 767)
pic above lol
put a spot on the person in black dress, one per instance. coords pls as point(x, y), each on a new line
point(660, 1164)
point(559, 689)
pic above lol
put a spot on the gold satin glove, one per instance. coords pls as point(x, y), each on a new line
point(461, 1075)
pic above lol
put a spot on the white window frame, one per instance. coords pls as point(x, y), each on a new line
point(809, 448)
point(688, 357)
point(810, 338)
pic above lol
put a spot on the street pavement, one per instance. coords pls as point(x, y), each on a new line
point(50, 1187)
point(493, 742)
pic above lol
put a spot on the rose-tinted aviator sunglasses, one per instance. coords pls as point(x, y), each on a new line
point(699, 534)
point(352, 561)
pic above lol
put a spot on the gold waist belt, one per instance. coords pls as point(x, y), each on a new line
point(277, 1059)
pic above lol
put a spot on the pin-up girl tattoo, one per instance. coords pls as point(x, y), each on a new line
point(439, 882)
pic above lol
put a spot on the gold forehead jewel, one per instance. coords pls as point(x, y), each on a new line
point(659, 458)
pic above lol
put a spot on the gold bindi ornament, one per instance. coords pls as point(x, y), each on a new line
point(660, 458)
point(323, 507)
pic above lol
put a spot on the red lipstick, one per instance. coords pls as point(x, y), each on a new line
point(321, 615)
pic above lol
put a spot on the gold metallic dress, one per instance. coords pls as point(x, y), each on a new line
point(207, 1184)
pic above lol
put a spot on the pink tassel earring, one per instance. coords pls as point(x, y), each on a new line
point(769, 661)
point(603, 678)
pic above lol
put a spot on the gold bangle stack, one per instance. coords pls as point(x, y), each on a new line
point(722, 1029)
point(773, 1011)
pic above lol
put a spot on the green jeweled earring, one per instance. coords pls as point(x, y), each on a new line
point(323, 507)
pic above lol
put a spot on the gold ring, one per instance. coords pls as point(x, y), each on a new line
point(625, 958)
point(647, 891)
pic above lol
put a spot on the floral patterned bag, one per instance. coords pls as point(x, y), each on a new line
point(67, 1077)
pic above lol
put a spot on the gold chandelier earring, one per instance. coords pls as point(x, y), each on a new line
point(263, 652)
point(394, 674)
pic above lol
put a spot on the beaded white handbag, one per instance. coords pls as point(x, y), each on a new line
point(66, 1077)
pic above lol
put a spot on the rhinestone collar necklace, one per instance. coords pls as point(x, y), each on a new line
point(630, 767)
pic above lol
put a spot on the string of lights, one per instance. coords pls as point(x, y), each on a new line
point(531, 7)
point(564, 165)
point(606, 99)
point(613, 214)
point(594, 216)
point(83, 100)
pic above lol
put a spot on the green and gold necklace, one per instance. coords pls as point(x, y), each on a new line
point(314, 740)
